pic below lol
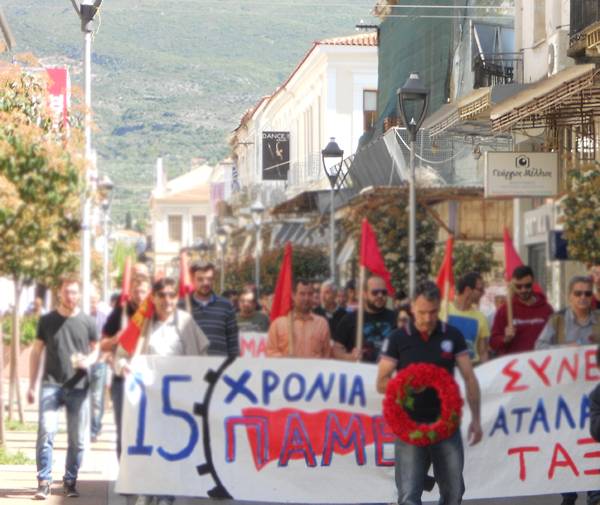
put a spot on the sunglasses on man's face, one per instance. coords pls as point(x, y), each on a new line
point(379, 292)
point(166, 294)
point(526, 285)
point(579, 294)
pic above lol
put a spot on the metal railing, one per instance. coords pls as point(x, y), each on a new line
point(496, 68)
point(303, 172)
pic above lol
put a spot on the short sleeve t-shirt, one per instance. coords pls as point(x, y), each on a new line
point(259, 322)
point(472, 324)
point(376, 327)
point(406, 346)
point(63, 337)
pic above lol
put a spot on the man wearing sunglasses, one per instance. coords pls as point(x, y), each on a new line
point(379, 322)
point(531, 312)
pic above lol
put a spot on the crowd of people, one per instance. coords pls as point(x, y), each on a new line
point(82, 351)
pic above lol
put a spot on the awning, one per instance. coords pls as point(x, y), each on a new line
point(470, 115)
point(566, 98)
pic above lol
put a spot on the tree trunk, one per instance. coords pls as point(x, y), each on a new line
point(15, 385)
point(2, 438)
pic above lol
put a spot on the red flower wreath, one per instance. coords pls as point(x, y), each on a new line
point(399, 399)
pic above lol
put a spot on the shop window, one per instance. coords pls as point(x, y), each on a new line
point(198, 228)
point(175, 228)
point(369, 109)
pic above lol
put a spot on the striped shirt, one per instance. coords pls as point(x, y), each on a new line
point(217, 319)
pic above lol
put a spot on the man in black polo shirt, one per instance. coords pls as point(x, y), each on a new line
point(329, 307)
point(215, 315)
point(428, 340)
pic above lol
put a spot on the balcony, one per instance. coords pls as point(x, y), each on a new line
point(303, 173)
point(584, 33)
point(496, 68)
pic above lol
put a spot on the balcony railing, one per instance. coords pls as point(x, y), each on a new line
point(309, 170)
point(583, 14)
point(496, 68)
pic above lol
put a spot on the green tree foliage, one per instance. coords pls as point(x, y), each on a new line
point(307, 263)
point(387, 213)
point(467, 258)
point(582, 215)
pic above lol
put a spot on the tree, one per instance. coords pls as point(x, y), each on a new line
point(40, 190)
point(387, 214)
point(467, 258)
point(582, 215)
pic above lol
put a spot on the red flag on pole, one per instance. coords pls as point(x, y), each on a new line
point(445, 277)
point(185, 283)
point(512, 260)
point(370, 256)
point(126, 283)
point(130, 335)
point(282, 298)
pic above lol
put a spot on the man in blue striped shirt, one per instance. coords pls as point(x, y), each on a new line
point(214, 314)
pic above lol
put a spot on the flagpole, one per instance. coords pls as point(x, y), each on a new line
point(360, 317)
point(446, 300)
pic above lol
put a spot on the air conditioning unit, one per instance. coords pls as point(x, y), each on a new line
point(558, 43)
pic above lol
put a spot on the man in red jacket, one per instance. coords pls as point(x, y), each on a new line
point(530, 314)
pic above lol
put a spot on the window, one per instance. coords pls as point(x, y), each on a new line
point(198, 228)
point(175, 228)
point(539, 21)
point(369, 109)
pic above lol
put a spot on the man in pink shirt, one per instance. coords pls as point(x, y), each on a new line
point(310, 337)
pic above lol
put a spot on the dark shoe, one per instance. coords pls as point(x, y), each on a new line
point(43, 490)
point(69, 489)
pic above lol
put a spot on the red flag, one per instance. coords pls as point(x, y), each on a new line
point(445, 278)
point(282, 298)
point(370, 256)
point(512, 260)
point(126, 283)
point(130, 335)
point(185, 284)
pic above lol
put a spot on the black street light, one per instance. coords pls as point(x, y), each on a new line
point(413, 100)
point(332, 157)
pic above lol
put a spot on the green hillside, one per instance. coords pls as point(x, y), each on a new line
point(173, 77)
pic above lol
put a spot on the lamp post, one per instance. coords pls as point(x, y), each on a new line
point(256, 210)
point(87, 11)
point(332, 157)
point(413, 99)
point(106, 186)
point(222, 241)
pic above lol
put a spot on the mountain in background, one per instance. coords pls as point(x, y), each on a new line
point(173, 77)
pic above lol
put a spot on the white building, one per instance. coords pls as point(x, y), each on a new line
point(180, 213)
point(332, 92)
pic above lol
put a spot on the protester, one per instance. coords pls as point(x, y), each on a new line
point(378, 323)
point(98, 311)
point(342, 298)
point(428, 340)
point(215, 315)
point(403, 316)
point(69, 340)
point(266, 300)
point(329, 308)
point(352, 300)
point(171, 332)
point(578, 324)
point(115, 323)
point(36, 309)
point(463, 315)
point(316, 297)
point(248, 317)
point(530, 314)
point(400, 300)
point(499, 300)
point(595, 273)
point(233, 296)
point(310, 337)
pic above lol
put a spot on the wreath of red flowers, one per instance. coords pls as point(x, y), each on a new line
point(399, 400)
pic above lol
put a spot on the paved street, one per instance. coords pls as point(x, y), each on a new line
point(96, 483)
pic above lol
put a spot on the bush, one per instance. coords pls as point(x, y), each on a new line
point(28, 329)
point(466, 258)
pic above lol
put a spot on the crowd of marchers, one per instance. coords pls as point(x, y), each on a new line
point(79, 355)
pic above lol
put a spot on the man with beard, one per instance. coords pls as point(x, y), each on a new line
point(329, 309)
point(531, 311)
point(378, 323)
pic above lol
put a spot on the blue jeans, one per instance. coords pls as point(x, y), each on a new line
point(52, 398)
point(593, 497)
point(97, 383)
point(412, 463)
point(116, 395)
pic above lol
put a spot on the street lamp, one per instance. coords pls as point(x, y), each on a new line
point(257, 211)
point(87, 11)
point(222, 241)
point(413, 99)
point(105, 186)
point(332, 158)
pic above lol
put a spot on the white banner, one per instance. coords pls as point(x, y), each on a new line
point(253, 344)
point(311, 431)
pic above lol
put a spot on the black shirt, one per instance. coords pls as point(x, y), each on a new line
point(333, 318)
point(63, 337)
point(376, 327)
point(112, 325)
point(406, 345)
